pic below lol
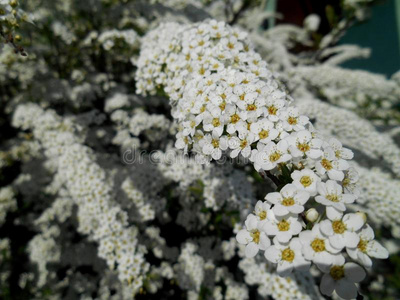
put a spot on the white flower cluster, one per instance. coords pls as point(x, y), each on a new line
point(292, 287)
point(225, 100)
point(108, 39)
point(99, 216)
point(352, 130)
point(7, 202)
point(379, 195)
point(370, 95)
point(44, 249)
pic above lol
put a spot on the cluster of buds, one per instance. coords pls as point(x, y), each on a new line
point(11, 15)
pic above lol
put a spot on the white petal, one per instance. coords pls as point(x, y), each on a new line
point(284, 237)
point(337, 241)
point(243, 237)
point(302, 197)
point(327, 285)
point(296, 209)
point(364, 259)
point(264, 241)
point(284, 268)
point(353, 221)
point(251, 250)
point(354, 272)
point(272, 254)
point(273, 197)
point(376, 250)
point(351, 239)
point(345, 289)
point(333, 214)
point(326, 227)
point(280, 210)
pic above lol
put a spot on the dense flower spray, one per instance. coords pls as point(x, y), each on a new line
point(226, 101)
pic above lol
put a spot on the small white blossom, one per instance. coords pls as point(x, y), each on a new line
point(287, 256)
point(367, 247)
point(252, 237)
point(330, 194)
point(288, 200)
point(342, 278)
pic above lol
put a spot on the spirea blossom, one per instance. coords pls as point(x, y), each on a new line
point(226, 101)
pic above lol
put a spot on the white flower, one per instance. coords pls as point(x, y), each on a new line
point(302, 143)
point(367, 247)
point(342, 278)
point(182, 141)
point(274, 105)
point(264, 131)
point(330, 165)
point(339, 150)
point(262, 210)
point(342, 231)
point(234, 115)
point(287, 256)
point(271, 155)
point(213, 145)
point(214, 124)
point(288, 200)
point(306, 180)
point(282, 227)
point(349, 182)
point(241, 145)
point(316, 246)
point(291, 119)
point(252, 237)
point(330, 194)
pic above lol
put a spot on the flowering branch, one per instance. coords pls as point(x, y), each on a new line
point(226, 101)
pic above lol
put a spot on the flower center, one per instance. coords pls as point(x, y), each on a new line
point(303, 147)
point(337, 272)
point(318, 245)
point(262, 215)
point(230, 45)
point(263, 134)
point(272, 110)
point(241, 97)
point(283, 225)
point(222, 105)
point(338, 227)
point(362, 245)
point(251, 107)
point(256, 236)
point(216, 122)
point(332, 197)
point(292, 120)
point(243, 144)
point(288, 255)
point(288, 201)
point(235, 118)
point(215, 143)
point(306, 181)
point(274, 156)
point(326, 164)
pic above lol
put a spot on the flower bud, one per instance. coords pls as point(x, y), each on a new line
point(312, 215)
point(17, 38)
point(13, 3)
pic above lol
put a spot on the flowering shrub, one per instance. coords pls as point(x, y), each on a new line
point(180, 149)
point(225, 99)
